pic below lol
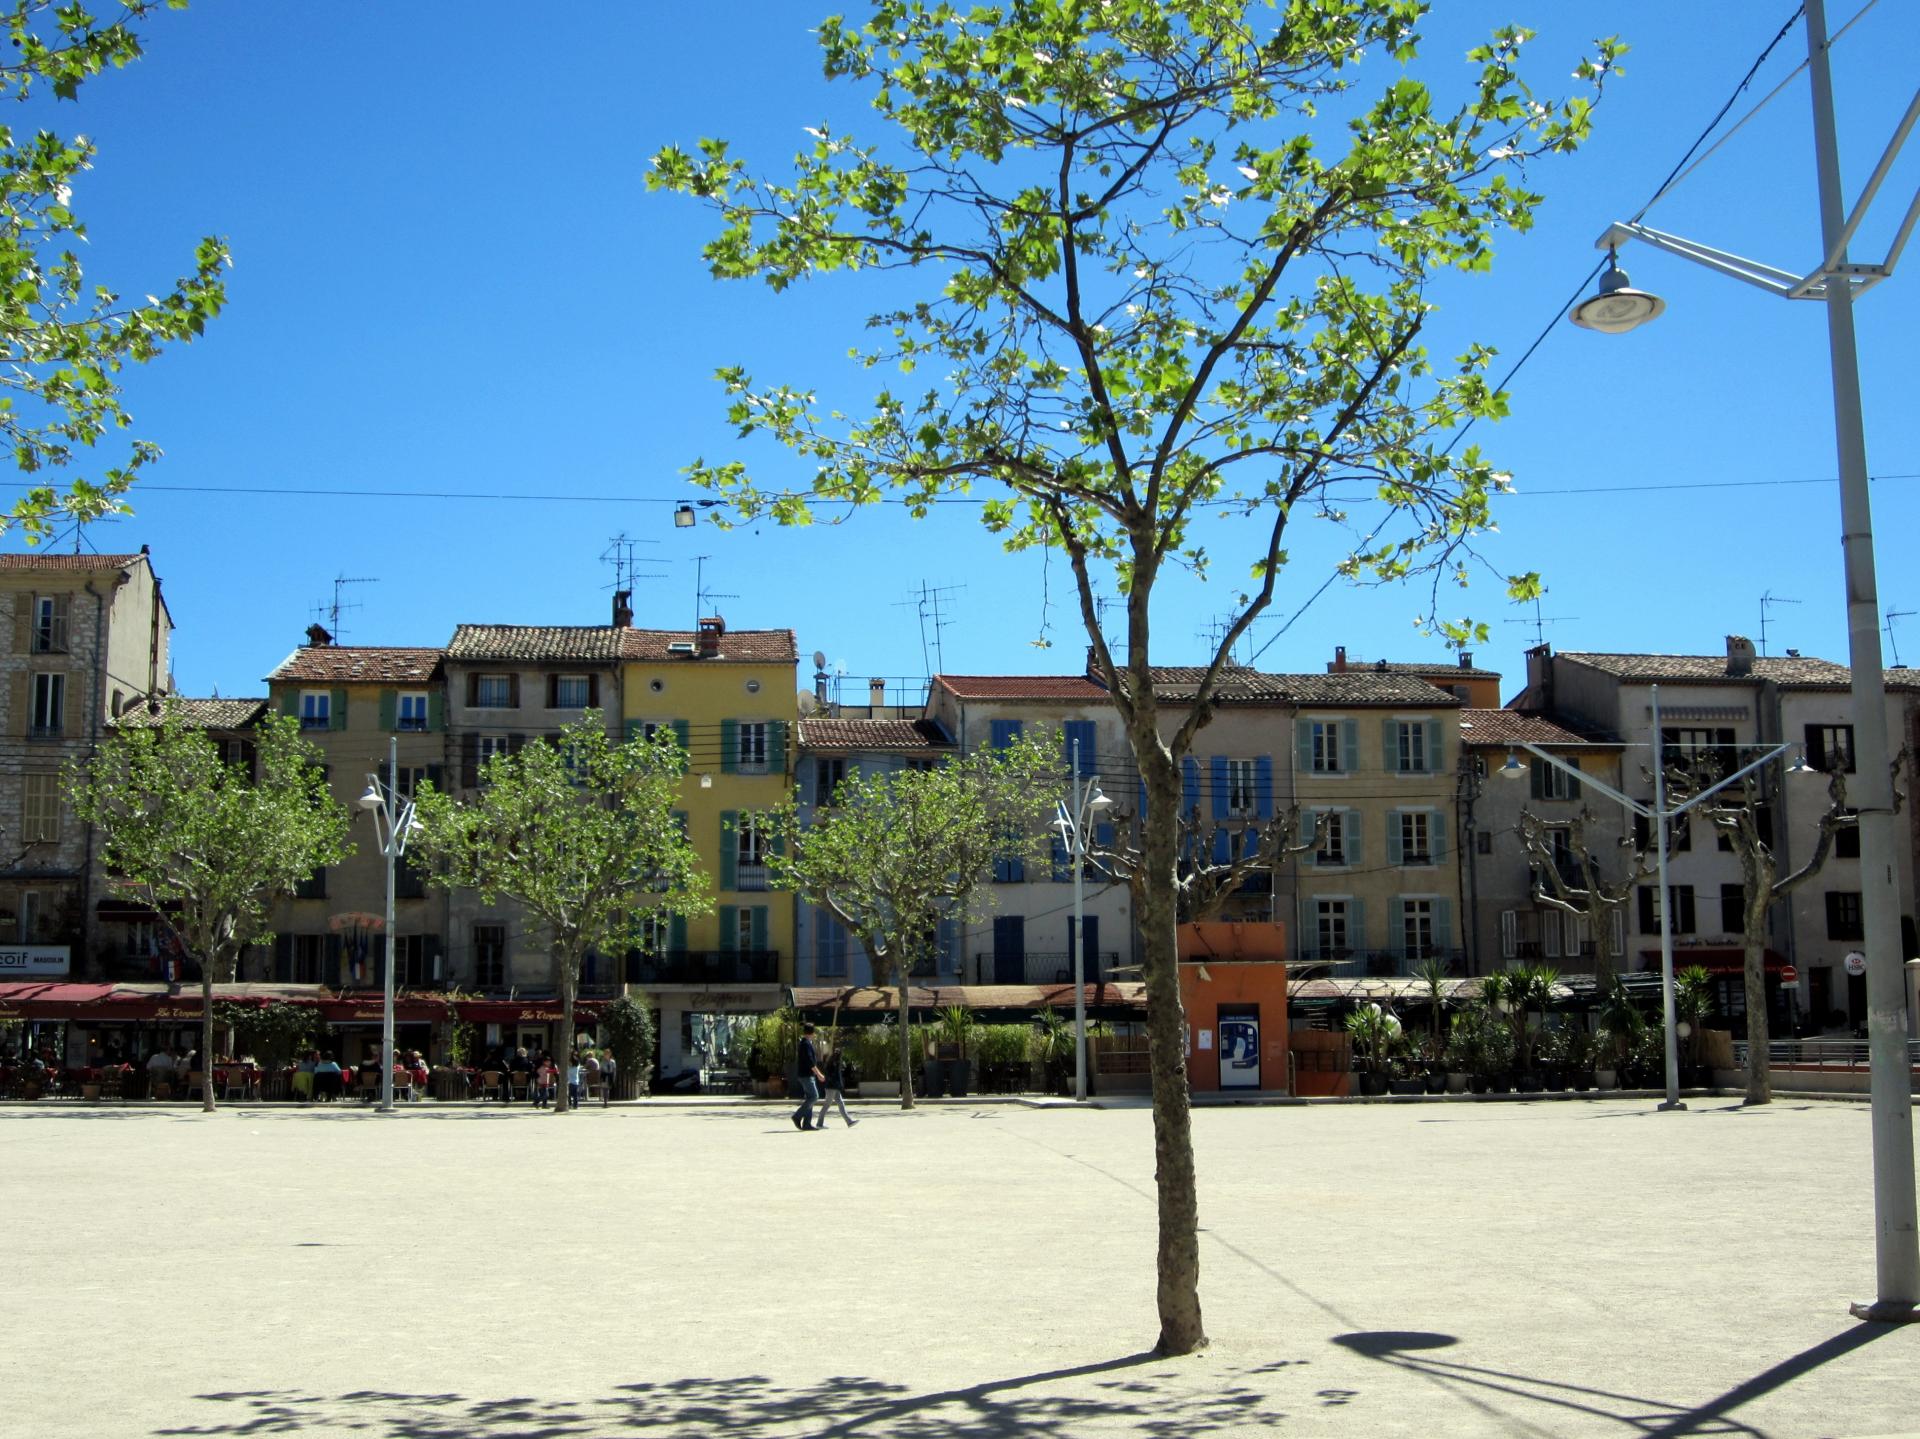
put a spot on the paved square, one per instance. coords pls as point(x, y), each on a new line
point(1585, 1268)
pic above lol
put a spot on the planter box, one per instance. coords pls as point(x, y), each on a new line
point(879, 1089)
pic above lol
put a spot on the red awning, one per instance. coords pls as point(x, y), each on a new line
point(523, 1011)
point(1723, 959)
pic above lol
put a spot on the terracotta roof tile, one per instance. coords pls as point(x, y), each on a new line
point(1351, 688)
point(1129, 994)
point(1786, 671)
point(764, 647)
point(359, 664)
point(1511, 727)
point(198, 713)
point(71, 564)
point(872, 734)
point(587, 643)
point(1397, 667)
point(1021, 687)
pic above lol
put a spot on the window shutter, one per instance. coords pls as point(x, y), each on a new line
point(1223, 846)
point(337, 711)
point(729, 849)
point(1263, 786)
point(593, 692)
point(729, 928)
point(23, 607)
point(1143, 800)
point(1003, 732)
point(283, 959)
point(1303, 742)
point(436, 711)
point(1060, 858)
point(290, 704)
point(1103, 834)
point(1649, 923)
point(1509, 938)
point(680, 736)
point(729, 746)
point(1356, 924)
point(1816, 752)
point(1683, 909)
point(1437, 836)
point(553, 692)
point(473, 689)
point(1397, 925)
point(1349, 746)
point(436, 776)
point(1390, 745)
point(1393, 836)
point(516, 743)
point(1537, 776)
point(1436, 737)
point(677, 934)
point(1573, 785)
point(1082, 758)
point(513, 691)
point(630, 731)
point(250, 759)
point(759, 928)
point(777, 747)
point(389, 709)
point(469, 761)
point(1217, 782)
point(1350, 844)
point(1443, 926)
point(1189, 785)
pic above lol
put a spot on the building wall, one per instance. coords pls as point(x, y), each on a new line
point(139, 640)
point(823, 953)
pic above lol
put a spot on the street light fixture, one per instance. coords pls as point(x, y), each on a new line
point(1661, 817)
point(1618, 307)
point(1072, 824)
point(393, 827)
point(1837, 280)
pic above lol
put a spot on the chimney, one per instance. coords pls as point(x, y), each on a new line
point(623, 609)
point(707, 642)
point(1739, 655)
point(1339, 666)
point(876, 693)
point(1466, 659)
point(317, 636)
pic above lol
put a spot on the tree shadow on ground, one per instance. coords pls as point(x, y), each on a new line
point(1102, 1397)
point(1418, 1353)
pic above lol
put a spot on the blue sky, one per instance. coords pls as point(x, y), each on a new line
point(450, 281)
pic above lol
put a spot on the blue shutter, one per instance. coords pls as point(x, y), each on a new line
point(1303, 741)
point(729, 746)
point(1189, 785)
point(1436, 762)
point(1143, 800)
point(1390, 745)
point(1443, 926)
point(1350, 839)
point(1003, 732)
point(729, 850)
point(1103, 834)
point(777, 747)
point(946, 946)
point(1397, 925)
point(1082, 757)
point(1349, 746)
point(1217, 779)
point(1263, 786)
point(1061, 859)
point(1356, 924)
point(1393, 836)
point(1223, 846)
point(1437, 836)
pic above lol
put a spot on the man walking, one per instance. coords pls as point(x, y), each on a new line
point(810, 1077)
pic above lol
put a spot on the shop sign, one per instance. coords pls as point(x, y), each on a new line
point(1856, 962)
point(18, 959)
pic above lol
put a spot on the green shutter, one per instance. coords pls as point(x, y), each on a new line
point(1437, 836)
point(777, 747)
point(1436, 762)
point(677, 934)
point(1537, 776)
point(1390, 745)
point(436, 711)
point(1303, 741)
point(729, 850)
point(1443, 925)
point(1393, 836)
point(1349, 746)
point(389, 710)
point(337, 714)
point(290, 704)
point(729, 928)
point(729, 746)
point(1356, 924)
point(759, 927)
point(680, 735)
point(1356, 853)
point(630, 731)
point(1573, 785)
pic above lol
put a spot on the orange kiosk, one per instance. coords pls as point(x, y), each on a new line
point(1233, 984)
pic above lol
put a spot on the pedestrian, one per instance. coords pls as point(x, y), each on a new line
point(810, 1076)
point(573, 1083)
point(609, 1071)
point(836, 1087)
point(543, 1083)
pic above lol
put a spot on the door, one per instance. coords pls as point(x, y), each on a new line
point(1820, 999)
point(1009, 949)
point(1857, 1000)
point(1089, 947)
point(1240, 1048)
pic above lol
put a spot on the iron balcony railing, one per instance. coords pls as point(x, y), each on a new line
point(1379, 963)
point(704, 966)
point(1042, 967)
point(1819, 1053)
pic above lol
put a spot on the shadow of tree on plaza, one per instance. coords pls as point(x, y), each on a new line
point(1019, 1407)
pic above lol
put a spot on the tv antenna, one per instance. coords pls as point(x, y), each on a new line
point(927, 605)
point(1540, 621)
point(702, 596)
point(626, 568)
point(332, 612)
point(1892, 643)
point(1767, 601)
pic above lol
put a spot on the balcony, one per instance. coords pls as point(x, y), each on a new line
point(704, 966)
point(1041, 967)
point(750, 878)
point(1379, 963)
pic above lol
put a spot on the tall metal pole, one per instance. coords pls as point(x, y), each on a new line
point(1896, 1239)
point(1660, 819)
point(388, 843)
point(1079, 930)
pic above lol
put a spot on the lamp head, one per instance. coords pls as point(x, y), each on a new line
point(1618, 307)
point(1800, 765)
point(1098, 799)
point(372, 799)
point(684, 517)
point(1512, 769)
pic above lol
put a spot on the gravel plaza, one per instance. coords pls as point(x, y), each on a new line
point(972, 1269)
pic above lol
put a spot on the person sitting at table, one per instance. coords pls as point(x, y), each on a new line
point(303, 1074)
point(520, 1066)
point(326, 1077)
point(417, 1067)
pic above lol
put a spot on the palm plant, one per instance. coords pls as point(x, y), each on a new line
point(1692, 1003)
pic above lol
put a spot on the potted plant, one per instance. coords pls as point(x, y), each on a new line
point(955, 1027)
point(876, 1058)
point(1465, 1052)
point(1433, 974)
point(1376, 1033)
point(627, 1027)
point(1620, 1025)
point(1053, 1050)
point(1692, 1003)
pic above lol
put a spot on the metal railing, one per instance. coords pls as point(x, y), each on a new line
point(1820, 1053)
point(1378, 963)
point(1042, 967)
point(704, 966)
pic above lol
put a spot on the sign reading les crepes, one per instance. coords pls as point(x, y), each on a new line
point(18, 959)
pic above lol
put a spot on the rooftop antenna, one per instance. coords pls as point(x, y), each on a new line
point(926, 602)
point(1540, 621)
point(626, 569)
point(1892, 643)
point(1768, 600)
point(702, 596)
point(331, 612)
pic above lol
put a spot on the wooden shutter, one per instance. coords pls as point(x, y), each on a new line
point(1437, 836)
point(436, 711)
point(681, 737)
point(516, 743)
point(1349, 746)
point(729, 928)
point(436, 776)
point(1436, 735)
point(677, 934)
point(1350, 846)
point(1537, 776)
point(758, 926)
point(553, 692)
point(1356, 924)
point(290, 703)
point(470, 761)
point(1189, 785)
point(1303, 744)
point(389, 711)
point(513, 691)
point(729, 746)
point(1393, 836)
point(1443, 926)
point(1397, 925)
point(1390, 745)
point(473, 689)
point(283, 959)
point(1082, 757)
point(593, 691)
point(1263, 786)
point(729, 850)
point(23, 607)
point(630, 731)
point(1649, 922)
point(1217, 782)
point(777, 747)
point(1573, 785)
point(337, 710)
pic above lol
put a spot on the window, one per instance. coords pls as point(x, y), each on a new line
point(827, 777)
point(1331, 919)
point(1240, 796)
point(1552, 782)
point(1844, 920)
point(493, 692)
point(1333, 841)
point(750, 833)
point(1411, 746)
point(653, 933)
point(409, 877)
point(1416, 925)
point(411, 712)
point(414, 961)
point(316, 709)
point(925, 766)
point(830, 947)
point(314, 886)
point(1830, 747)
point(1327, 758)
point(486, 746)
point(1483, 842)
point(1415, 844)
point(308, 951)
point(1682, 908)
point(409, 777)
point(1733, 909)
point(490, 956)
point(753, 747)
point(1707, 750)
point(40, 809)
point(572, 692)
point(49, 704)
point(1846, 841)
point(50, 624)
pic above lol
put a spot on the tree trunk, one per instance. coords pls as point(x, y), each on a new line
point(206, 1034)
point(568, 968)
point(906, 1043)
point(1178, 1258)
point(1759, 1079)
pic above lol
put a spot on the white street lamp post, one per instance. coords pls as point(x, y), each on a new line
point(393, 825)
point(1837, 280)
point(1661, 818)
point(1072, 824)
